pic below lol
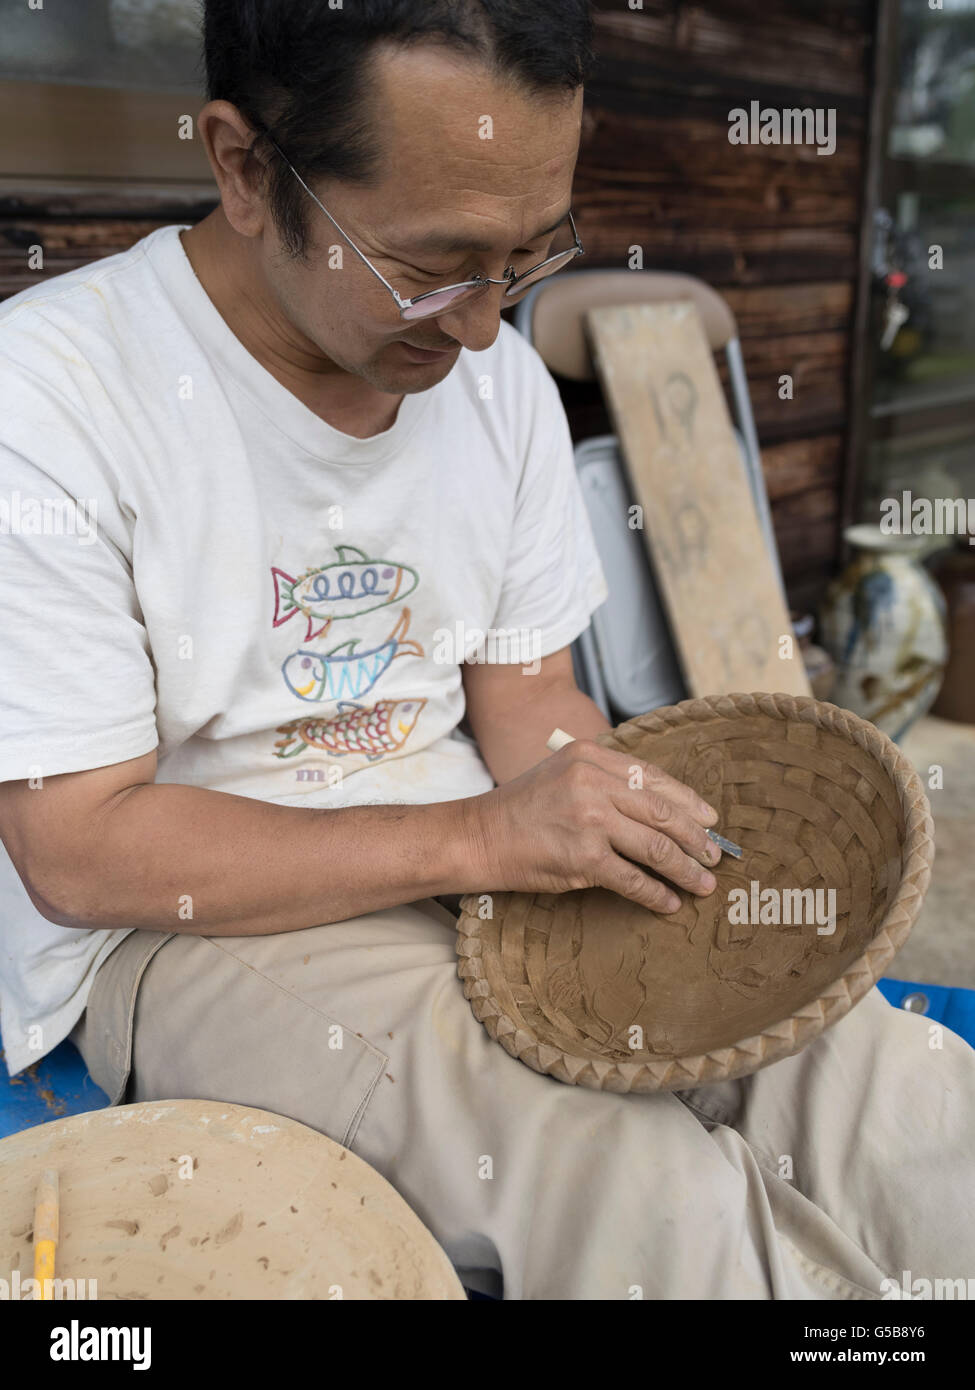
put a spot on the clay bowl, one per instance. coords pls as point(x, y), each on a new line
point(197, 1199)
point(592, 989)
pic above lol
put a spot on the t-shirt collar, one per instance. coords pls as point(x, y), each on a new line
point(282, 408)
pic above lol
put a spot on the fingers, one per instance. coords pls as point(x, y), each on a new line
point(657, 800)
point(630, 881)
point(652, 809)
point(656, 848)
point(654, 780)
point(634, 832)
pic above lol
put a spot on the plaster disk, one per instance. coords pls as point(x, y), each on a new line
point(597, 991)
point(189, 1199)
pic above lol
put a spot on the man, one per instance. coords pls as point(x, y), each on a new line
point(306, 478)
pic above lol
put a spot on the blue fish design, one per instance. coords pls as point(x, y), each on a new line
point(345, 673)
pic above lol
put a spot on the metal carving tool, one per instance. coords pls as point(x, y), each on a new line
point(559, 738)
point(726, 846)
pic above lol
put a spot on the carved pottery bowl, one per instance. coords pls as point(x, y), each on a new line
point(592, 989)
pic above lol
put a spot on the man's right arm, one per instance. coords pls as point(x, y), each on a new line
point(112, 848)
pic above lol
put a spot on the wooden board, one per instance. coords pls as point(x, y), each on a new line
point(714, 573)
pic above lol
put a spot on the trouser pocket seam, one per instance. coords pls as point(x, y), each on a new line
point(119, 1049)
point(328, 1018)
point(830, 1277)
point(380, 1057)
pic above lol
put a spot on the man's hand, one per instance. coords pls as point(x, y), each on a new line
point(573, 821)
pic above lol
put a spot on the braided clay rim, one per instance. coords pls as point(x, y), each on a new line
point(778, 1040)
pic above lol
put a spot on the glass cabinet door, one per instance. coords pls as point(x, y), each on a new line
point(100, 90)
point(920, 428)
point(148, 44)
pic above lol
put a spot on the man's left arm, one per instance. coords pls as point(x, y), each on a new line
point(512, 712)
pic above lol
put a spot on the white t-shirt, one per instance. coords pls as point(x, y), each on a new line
point(190, 558)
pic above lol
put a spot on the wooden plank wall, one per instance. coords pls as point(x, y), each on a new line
point(775, 228)
point(77, 224)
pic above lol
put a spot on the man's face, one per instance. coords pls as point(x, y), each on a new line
point(444, 186)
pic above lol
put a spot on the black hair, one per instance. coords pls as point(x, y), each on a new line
point(297, 70)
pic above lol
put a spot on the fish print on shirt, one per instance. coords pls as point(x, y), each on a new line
point(373, 730)
point(346, 672)
point(346, 588)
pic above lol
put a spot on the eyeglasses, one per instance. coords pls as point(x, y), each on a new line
point(432, 302)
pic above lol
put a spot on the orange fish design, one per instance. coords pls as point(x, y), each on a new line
point(373, 730)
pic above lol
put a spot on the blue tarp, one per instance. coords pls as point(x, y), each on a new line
point(56, 1086)
point(955, 1008)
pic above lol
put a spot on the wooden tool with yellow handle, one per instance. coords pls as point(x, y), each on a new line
point(46, 1231)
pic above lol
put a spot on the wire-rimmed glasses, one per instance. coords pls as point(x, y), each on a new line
point(433, 302)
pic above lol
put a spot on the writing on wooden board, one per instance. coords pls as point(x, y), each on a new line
point(713, 570)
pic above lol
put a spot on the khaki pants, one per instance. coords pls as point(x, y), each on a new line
point(818, 1177)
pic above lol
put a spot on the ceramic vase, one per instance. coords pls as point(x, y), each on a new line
point(956, 575)
point(820, 666)
point(883, 623)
